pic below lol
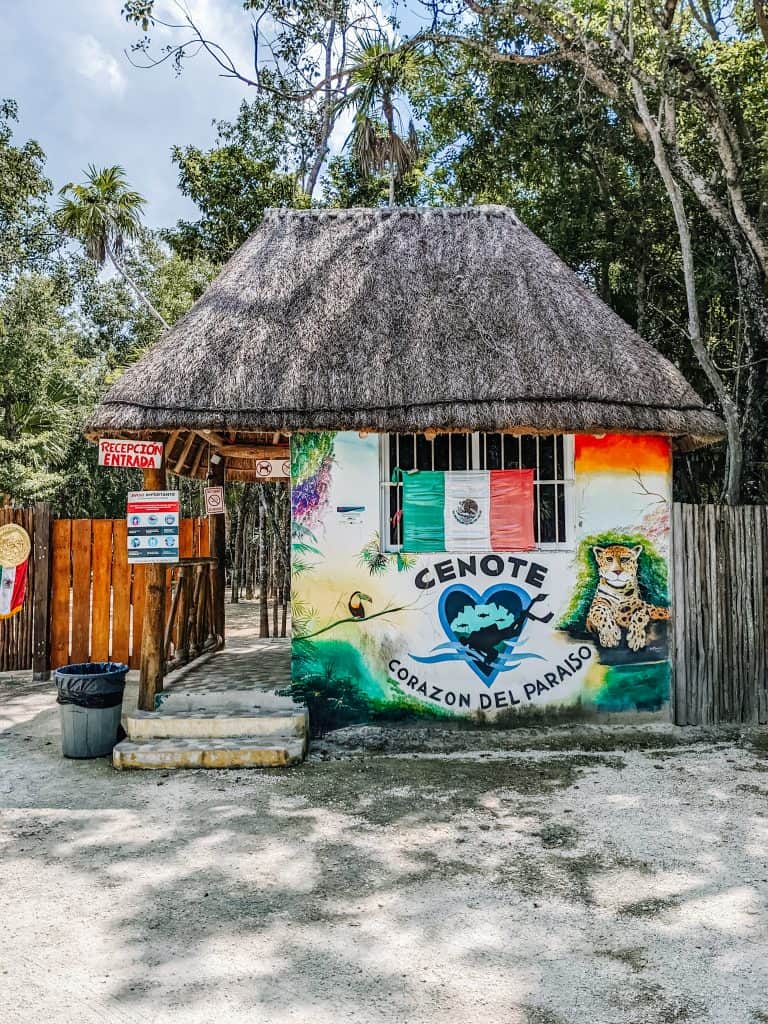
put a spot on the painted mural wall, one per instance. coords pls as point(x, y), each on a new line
point(382, 635)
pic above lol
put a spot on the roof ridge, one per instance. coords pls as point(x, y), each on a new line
point(381, 213)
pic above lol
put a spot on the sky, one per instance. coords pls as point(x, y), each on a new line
point(63, 61)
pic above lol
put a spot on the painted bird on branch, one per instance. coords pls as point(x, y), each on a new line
point(356, 606)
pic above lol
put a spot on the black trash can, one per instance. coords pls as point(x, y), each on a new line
point(90, 698)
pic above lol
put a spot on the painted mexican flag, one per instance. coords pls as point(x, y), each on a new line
point(13, 587)
point(468, 511)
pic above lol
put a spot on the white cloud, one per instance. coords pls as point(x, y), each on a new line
point(224, 22)
point(92, 61)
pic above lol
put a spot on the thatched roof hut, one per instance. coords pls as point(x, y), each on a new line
point(401, 320)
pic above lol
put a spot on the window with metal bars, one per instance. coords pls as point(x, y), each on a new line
point(550, 456)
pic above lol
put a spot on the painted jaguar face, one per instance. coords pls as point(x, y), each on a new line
point(617, 564)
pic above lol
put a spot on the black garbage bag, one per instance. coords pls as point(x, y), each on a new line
point(94, 684)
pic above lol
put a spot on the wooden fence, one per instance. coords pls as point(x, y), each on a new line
point(720, 602)
point(97, 598)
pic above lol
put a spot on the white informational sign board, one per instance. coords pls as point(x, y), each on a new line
point(153, 527)
point(273, 468)
point(130, 454)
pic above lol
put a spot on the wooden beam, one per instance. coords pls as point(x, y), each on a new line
point(198, 459)
point(218, 544)
point(256, 452)
point(170, 444)
point(211, 437)
point(152, 667)
point(179, 464)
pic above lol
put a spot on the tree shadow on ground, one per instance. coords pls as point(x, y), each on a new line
point(544, 887)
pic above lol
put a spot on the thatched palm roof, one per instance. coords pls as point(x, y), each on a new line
point(402, 320)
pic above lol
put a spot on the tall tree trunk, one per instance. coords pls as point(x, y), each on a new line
point(275, 596)
point(389, 116)
point(240, 536)
point(327, 119)
point(263, 571)
point(234, 594)
point(269, 512)
point(729, 408)
point(286, 599)
point(120, 268)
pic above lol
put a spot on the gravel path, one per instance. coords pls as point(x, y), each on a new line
point(398, 876)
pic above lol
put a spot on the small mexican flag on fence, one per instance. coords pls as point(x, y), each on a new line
point(13, 587)
point(468, 511)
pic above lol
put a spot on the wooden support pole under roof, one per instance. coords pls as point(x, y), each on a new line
point(152, 665)
point(198, 458)
point(178, 466)
point(170, 444)
point(218, 545)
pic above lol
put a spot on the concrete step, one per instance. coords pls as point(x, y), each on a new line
point(277, 751)
point(180, 698)
point(215, 723)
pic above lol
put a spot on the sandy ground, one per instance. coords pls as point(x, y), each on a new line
point(398, 876)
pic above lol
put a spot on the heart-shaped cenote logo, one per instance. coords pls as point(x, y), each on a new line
point(483, 630)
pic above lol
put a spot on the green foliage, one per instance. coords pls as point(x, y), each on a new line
point(104, 213)
point(372, 558)
point(376, 561)
point(27, 238)
point(252, 165)
point(643, 687)
point(542, 140)
point(651, 575)
point(331, 678)
point(397, 707)
point(379, 73)
point(344, 185)
point(333, 701)
point(43, 387)
point(309, 451)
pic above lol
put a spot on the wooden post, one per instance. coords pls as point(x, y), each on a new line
point(218, 546)
point(153, 636)
point(41, 621)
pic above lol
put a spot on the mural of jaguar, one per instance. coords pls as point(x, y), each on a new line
point(618, 603)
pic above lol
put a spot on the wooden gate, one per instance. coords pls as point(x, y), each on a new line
point(97, 598)
point(720, 600)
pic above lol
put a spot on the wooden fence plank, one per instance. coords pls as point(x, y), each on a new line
point(121, 594)
point(763, 543)
point(22, 652)
point(41, 644)
point(80, 648)
point(102, 578)
point(720, 612)
point(185, 538)
point(96, 605)
point(678, 621)
point(60, 591)
point(205, 538)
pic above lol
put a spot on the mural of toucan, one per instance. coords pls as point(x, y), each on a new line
point(355, 604)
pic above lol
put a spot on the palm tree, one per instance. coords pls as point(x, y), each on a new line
point(379, 70)
point(104, 214)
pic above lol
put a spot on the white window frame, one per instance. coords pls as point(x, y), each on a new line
point(477, 438)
